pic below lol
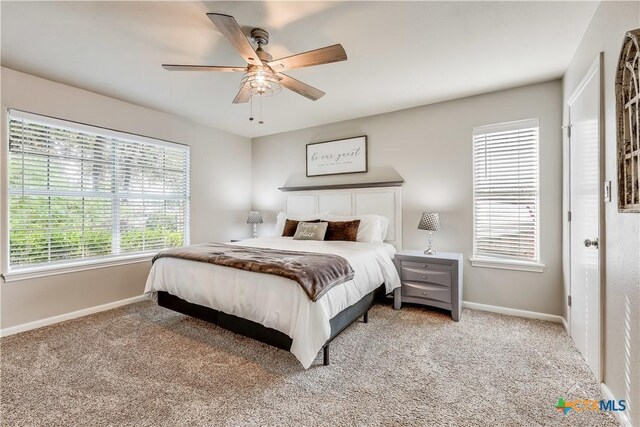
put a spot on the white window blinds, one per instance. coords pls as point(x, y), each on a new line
point(505, 191)
point(78, 192)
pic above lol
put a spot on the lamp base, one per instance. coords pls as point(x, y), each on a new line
point(430, 251)
point(255, 231)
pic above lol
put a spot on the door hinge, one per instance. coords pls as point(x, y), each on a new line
point(569, 300)
point(569, 131)
point(569, 216)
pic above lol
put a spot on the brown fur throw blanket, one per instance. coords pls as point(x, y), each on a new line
point(316, 273)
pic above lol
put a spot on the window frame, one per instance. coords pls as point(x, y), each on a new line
point(81, 264)
point(498, 262)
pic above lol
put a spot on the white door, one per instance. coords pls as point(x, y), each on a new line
point(585, 178)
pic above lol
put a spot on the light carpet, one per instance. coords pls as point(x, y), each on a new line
point(143, 365)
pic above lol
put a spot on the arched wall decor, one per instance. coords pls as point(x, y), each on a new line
point(628, 123)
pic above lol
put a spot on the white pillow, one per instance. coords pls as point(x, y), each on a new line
point(384, 227)
point(282, 218)
point(372, 229)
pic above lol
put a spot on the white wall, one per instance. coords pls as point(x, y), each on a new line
point(430, 147)
point(622, 234)
point(219, 205)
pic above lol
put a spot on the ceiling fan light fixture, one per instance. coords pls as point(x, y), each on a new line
point(261, 81)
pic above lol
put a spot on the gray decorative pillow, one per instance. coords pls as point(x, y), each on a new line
point(291, 225)
point(310, 231)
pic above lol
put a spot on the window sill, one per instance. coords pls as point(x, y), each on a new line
point(53, 270)
point(507, 264)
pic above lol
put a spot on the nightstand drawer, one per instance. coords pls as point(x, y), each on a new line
point(426, 266)
point(442, 278)
point(434, 292)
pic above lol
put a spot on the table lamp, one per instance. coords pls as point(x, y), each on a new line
point(255, 218)
point(430, 222)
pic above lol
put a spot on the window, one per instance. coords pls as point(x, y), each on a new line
point(78, 193)
point(505, 193)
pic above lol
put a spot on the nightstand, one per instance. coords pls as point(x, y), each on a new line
point(433, 280)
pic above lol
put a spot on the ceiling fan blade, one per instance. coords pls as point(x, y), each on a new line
point(324, 55)
point(244, 95)
point(302, 88)
point(174, 67)
point(229, 27)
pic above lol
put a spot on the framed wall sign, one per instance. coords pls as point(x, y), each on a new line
point(340, 156)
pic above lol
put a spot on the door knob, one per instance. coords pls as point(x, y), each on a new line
point(588, 243)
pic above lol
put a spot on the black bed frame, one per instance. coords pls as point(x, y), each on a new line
point(267, 335)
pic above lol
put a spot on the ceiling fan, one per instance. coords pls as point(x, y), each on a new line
point(263, 75)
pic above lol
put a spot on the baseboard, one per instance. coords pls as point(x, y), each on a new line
point(68, 316)
point(565, 324)
point(623, 417)
point(512, 311)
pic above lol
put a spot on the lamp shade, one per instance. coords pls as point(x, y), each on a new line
point(430, 221)
point(255, 217)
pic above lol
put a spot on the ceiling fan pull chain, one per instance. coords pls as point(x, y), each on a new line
point(261, 122)
point(251, 107)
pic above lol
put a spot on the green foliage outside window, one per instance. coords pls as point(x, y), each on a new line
point(75, 195)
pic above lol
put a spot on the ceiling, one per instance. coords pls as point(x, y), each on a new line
point(401, 54)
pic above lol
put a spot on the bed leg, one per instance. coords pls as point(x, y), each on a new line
point(326, 355)
point(366, 316)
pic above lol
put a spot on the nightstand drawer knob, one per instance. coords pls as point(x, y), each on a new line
point(424, 265)
point(424, 292)
point(424, 277)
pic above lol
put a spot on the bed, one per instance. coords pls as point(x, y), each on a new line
point(274, 309)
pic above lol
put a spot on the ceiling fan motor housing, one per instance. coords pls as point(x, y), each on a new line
point(260, 36)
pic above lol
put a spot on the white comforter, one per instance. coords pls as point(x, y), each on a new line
point(274, 301)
